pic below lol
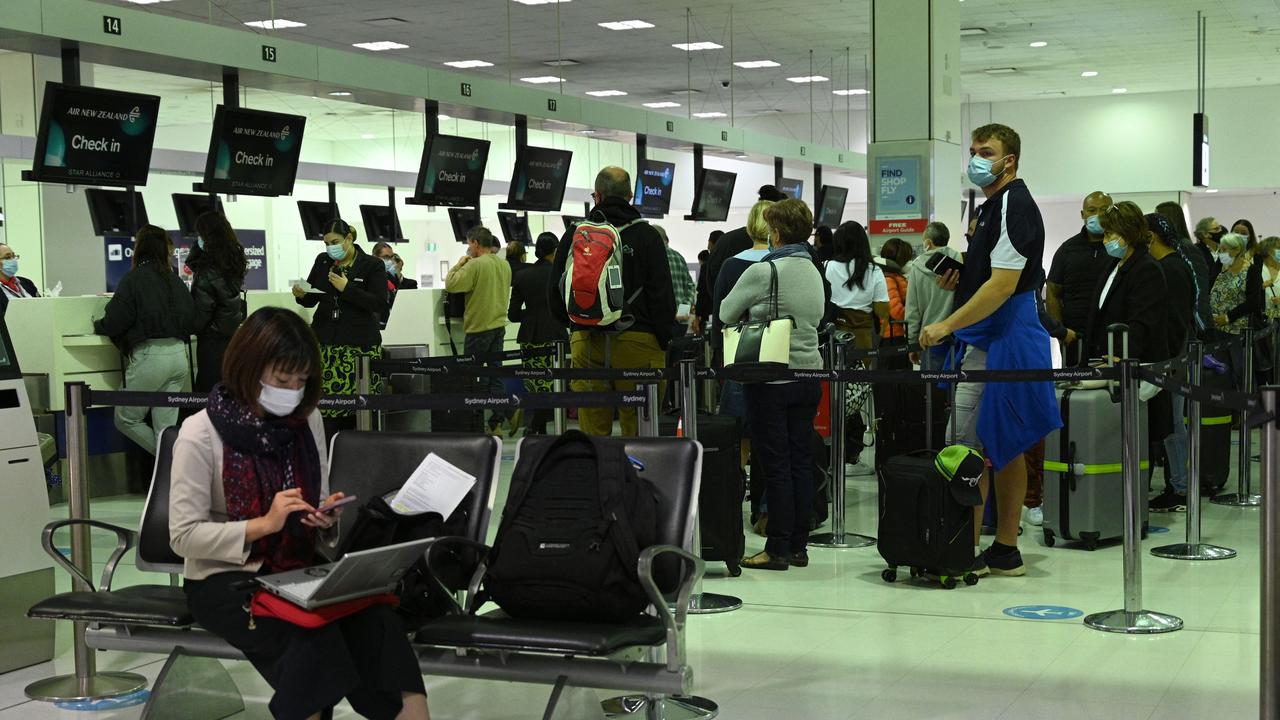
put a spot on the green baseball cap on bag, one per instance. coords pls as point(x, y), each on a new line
point(962, 468)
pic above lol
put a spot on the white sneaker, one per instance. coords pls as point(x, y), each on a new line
point(1035, 516)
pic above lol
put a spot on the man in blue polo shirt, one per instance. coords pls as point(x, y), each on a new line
point(996, 323)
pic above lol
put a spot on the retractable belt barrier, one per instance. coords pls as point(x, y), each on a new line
point(435, 401)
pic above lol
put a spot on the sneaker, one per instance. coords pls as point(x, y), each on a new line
point(1035, 516)
point(979, 566)
point(1168, 501)
point(1008, 564)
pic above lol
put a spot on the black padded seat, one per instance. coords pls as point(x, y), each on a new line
point(496, 631)
point(159, 605)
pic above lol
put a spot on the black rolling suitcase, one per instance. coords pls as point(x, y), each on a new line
point(722, 494)
point(1215, 435)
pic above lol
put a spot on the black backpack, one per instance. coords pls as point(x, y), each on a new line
point(576, 518)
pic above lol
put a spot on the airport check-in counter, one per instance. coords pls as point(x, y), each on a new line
point(418, 318)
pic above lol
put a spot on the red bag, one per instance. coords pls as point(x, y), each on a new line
point(266, 605)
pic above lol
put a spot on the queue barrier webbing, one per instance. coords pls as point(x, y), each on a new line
point(435, 401)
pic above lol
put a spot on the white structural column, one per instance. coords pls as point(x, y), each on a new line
point(915, 159)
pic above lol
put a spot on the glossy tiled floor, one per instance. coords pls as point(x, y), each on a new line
point(834, 641)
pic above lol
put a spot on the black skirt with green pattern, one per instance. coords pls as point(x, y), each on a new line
point(340, 365)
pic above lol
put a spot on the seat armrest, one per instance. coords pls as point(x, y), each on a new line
point(674, 622)
point(125, 540)
point(434, 548)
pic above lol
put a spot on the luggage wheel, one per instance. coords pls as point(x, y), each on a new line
point(889, 575)
point(948, 582)
point(970, 579)
point(734, 569)
point(1090, 541)
point(1049, 538)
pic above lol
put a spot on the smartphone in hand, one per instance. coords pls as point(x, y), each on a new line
point(941, 264)
point(335, 504)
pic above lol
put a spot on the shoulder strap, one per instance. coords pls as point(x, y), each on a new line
point(773, 290)
point(612, 465)
point(521, 481)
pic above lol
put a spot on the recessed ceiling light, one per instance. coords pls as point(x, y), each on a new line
point(367, 136)
point(540, 2)
point(468, 64)
point(542, 80)
point(442, 117)
point(380, 46)
point(1039, 44)
point(753, 64)
point(1119, 91)
point(587, 131)
point(853, 91)
point(1212, 190)
point(710, 115)
point(606, 93)
point(663, 104)
point(970, 31)
point(686, 91)
point(1089, 73)
point(809, 79)
point(562, 62)
point(626, 25)
point(146, 2)
point(1001, 71)
point(339, 93)
point(691, 47)
point(267, 24)
point(742, 156)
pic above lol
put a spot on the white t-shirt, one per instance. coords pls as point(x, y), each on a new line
point(874, 288)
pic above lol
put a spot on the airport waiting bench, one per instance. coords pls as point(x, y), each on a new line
point(194, 684)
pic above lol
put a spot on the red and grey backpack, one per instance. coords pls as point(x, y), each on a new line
point(592, 280)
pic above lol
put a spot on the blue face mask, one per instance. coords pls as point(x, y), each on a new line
point(200, 243)
point(1276, 255)
point(337, 252)
point(390, 265)
point(980, 171)
point(1093, 225)
point(1114, 248)
point(10, 267)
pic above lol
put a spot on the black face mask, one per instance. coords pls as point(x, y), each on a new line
point(1217, 236)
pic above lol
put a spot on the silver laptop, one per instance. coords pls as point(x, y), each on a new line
point(354, 575)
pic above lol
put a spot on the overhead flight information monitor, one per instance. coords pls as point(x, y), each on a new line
point(713, 196)
point(109, 212)
point(539, 180)
point(462, 220)
point(831, 200)
point(452, 171)
point(91, 136)
point(792, 188)
point(515, 228)
point(253, 152)
point(315, 218)
point(380, 225)
point(653, 188)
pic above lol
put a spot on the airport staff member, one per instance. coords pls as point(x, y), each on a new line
point(352, 294)
point(11, 285)
point(539, 329)
point(485, 278)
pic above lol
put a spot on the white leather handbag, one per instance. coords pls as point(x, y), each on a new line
point(763, 343)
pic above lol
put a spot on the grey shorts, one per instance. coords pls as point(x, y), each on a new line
point(968, 397)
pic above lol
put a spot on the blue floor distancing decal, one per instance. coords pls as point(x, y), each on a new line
point(1043, 612)
point(124, 701)
point(1156, 529)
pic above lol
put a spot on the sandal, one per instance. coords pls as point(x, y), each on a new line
point(764, 561)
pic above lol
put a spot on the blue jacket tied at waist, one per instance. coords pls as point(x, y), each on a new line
point(1013, 416)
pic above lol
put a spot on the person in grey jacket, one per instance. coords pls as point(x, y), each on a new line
point(782, 412)
point(926, 302)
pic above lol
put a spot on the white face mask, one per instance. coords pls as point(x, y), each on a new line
point(278, 401)
point(1226, 259)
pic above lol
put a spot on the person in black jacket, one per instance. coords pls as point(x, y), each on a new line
point(149, 318)
point(539, 328)
point(646, 282)
point(402, 282)
point(352, 296)
point(729, 245)
point(218, 268)
point(1200, 273)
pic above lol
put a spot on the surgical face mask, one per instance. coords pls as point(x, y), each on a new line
point(1216, 237)
point(1114, 247)
point(390, 265)
point(1093, 225)
point(980, 171)
point(337, 252)
point(1275, 254)
point(1226, 259)
point(10, 267)
point(278, 401)
point(200, 243)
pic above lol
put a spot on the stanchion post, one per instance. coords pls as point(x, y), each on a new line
point(364, 376)
point(838, 538)
point(1244, 495)
point(560, 414)
point(1133, 619)
point(1193, 549)
point(653, 400)
point(1270, 536)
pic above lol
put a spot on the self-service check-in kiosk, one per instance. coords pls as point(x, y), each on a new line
point(26, 573)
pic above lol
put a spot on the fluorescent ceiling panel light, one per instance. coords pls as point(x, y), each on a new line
point(276, 24)
point(663, 104)
point(540, 2)
point(852, 91)
point(1212, 190)
point(626, 25)
point(754, 64)
point(1039, 44)
point(1119, 91)
point(542, 80)
point(710, 115)
point(1089, 73)
point(468, 64)
point(339, 93)
point(606, 93)
point(691, 47)
point(562, 62)
point(1001, 71)
point(380, 46)
point(145, 2)
point(971, 31)
point(443, 118)
point(367, 136)
point(809, 79)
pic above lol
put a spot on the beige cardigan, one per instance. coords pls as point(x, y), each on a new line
point(198, 527)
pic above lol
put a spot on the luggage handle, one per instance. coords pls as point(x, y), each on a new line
point(1113, 330)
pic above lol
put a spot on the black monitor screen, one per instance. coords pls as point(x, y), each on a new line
point(571, 221)
point(792, 188)
point(91, 136)
point(253, 152)
point(190, 207)
point(462, 220)
point(8, 358)
point(831, 201)
point(714, 195)
point(515, 228)
point(379, 225)
point(539, 179)
point(315, 218)
point(452, 171)
point(653, 187)
point(109, 211)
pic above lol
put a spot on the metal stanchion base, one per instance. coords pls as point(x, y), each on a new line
point(712, 603)
point(689, 707)
point(1143, 622)
point(99, 686)
point(842, 541)
point(1237, 500)
point(1199, 551)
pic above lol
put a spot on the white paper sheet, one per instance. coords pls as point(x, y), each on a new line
point(306, 286)
point(682, 310)
point(435, 486)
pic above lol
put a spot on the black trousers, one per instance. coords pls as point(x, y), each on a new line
point(781, 437)
point(365, 657)
point(209, 351)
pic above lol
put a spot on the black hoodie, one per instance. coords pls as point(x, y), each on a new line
point(644, 268)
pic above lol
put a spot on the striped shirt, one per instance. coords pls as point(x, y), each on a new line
point(681, 280)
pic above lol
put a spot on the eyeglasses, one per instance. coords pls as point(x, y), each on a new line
point(11, 256)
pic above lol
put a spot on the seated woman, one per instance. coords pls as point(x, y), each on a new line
point(248, 474)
